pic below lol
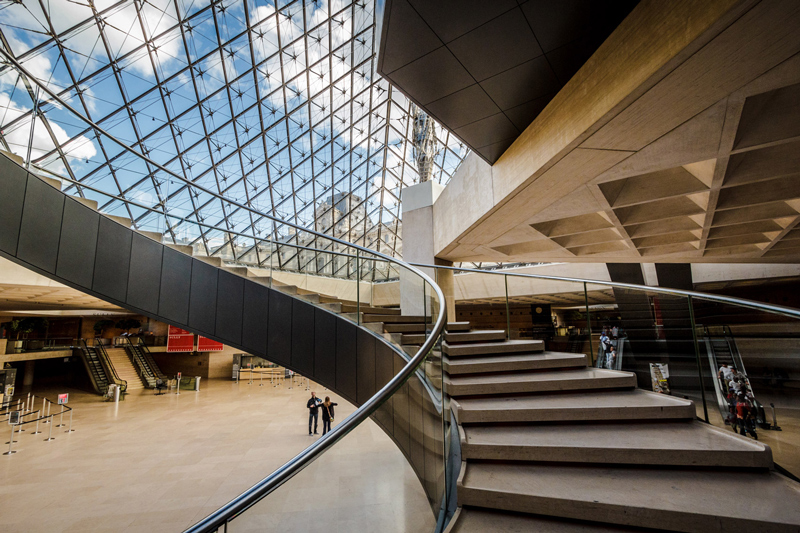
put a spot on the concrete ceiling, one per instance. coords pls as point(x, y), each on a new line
point(696, 159)
point(484, 69)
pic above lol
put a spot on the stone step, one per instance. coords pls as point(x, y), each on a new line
point(477, 520)
point(312, 298)
point(396, 319)
point(125, 221)
point(513, 362)
point(238, 270)
point(347, 308)
point(572, 407)
point(468, 336)
point(50, 181)
point(156, 236)
point(457, 326)
point(477, 335)
point(485, 348)
point(211, 260)
point(182, 248)
point(670, 443)
point(91, 204)
point(335, 307)
point(584, 379)
point(286, 289)
point(670, 499)
point(420, 328)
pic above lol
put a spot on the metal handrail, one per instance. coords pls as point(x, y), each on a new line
point(299, 462)
point(283, 474)
point(752, 304)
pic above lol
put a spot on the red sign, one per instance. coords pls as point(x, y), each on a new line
point(207, 345)
point(180, 340)
point(63, 399)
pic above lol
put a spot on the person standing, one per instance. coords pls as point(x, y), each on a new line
point(313, 411)
point(327, 414)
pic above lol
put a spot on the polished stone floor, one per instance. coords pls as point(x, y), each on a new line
point(160, 463)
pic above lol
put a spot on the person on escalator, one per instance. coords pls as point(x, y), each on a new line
point(611, 358)
point(725, 375)
point(745, 417)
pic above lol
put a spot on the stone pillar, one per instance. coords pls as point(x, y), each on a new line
point(417, 221)
point(27, 380)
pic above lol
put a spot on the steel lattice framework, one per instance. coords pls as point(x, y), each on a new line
point(276, 105)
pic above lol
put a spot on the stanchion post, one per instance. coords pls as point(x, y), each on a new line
point(10, 443)
point(261, 378)
point(37, 426)
point(70, 430)
point(61, 423)
point(50, 434)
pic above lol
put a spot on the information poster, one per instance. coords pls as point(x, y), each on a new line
point(207, 345)
point(659, 375)
point(180, 340)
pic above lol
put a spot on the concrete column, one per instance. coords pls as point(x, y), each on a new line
point(27, 380)
point(417, 219)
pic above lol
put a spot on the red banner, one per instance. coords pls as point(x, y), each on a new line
point(180, 340)
point(207, 345)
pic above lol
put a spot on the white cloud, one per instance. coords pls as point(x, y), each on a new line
point(79, 148)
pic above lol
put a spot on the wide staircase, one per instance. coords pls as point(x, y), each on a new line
point(550, 444)
point(547, 443)
point(124, 368)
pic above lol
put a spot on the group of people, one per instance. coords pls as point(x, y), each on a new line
point(315, 405)
point(608, 346)
point(742, 412)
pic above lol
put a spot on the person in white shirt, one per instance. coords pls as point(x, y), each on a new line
point(725, 375)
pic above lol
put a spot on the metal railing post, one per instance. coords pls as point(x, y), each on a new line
point(358, 288)
point(589, 325)
point(70, 430)
point(697, 357)
point(508, 309)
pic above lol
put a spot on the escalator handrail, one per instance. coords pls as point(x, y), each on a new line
point(106, 362)
point(751, 304)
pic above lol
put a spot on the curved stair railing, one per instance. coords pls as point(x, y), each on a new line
point(68, 240)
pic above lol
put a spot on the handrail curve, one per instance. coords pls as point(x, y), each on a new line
point(283, 474)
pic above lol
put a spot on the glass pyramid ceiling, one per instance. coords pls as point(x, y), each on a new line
point(276, 105)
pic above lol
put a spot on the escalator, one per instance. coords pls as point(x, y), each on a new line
point(619, 343)
point(94, 367)
point(144, 362)
point(722, 350)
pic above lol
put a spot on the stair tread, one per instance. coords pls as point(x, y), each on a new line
point(589, 405)
point(477, 520)
point(467, 336)
point(583, 379)
point(666, 443)
point(477, 348)
point(567, 358)
point(672, 499)
point(589, 372)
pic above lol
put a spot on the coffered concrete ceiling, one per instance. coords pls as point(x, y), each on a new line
point(696, 159)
